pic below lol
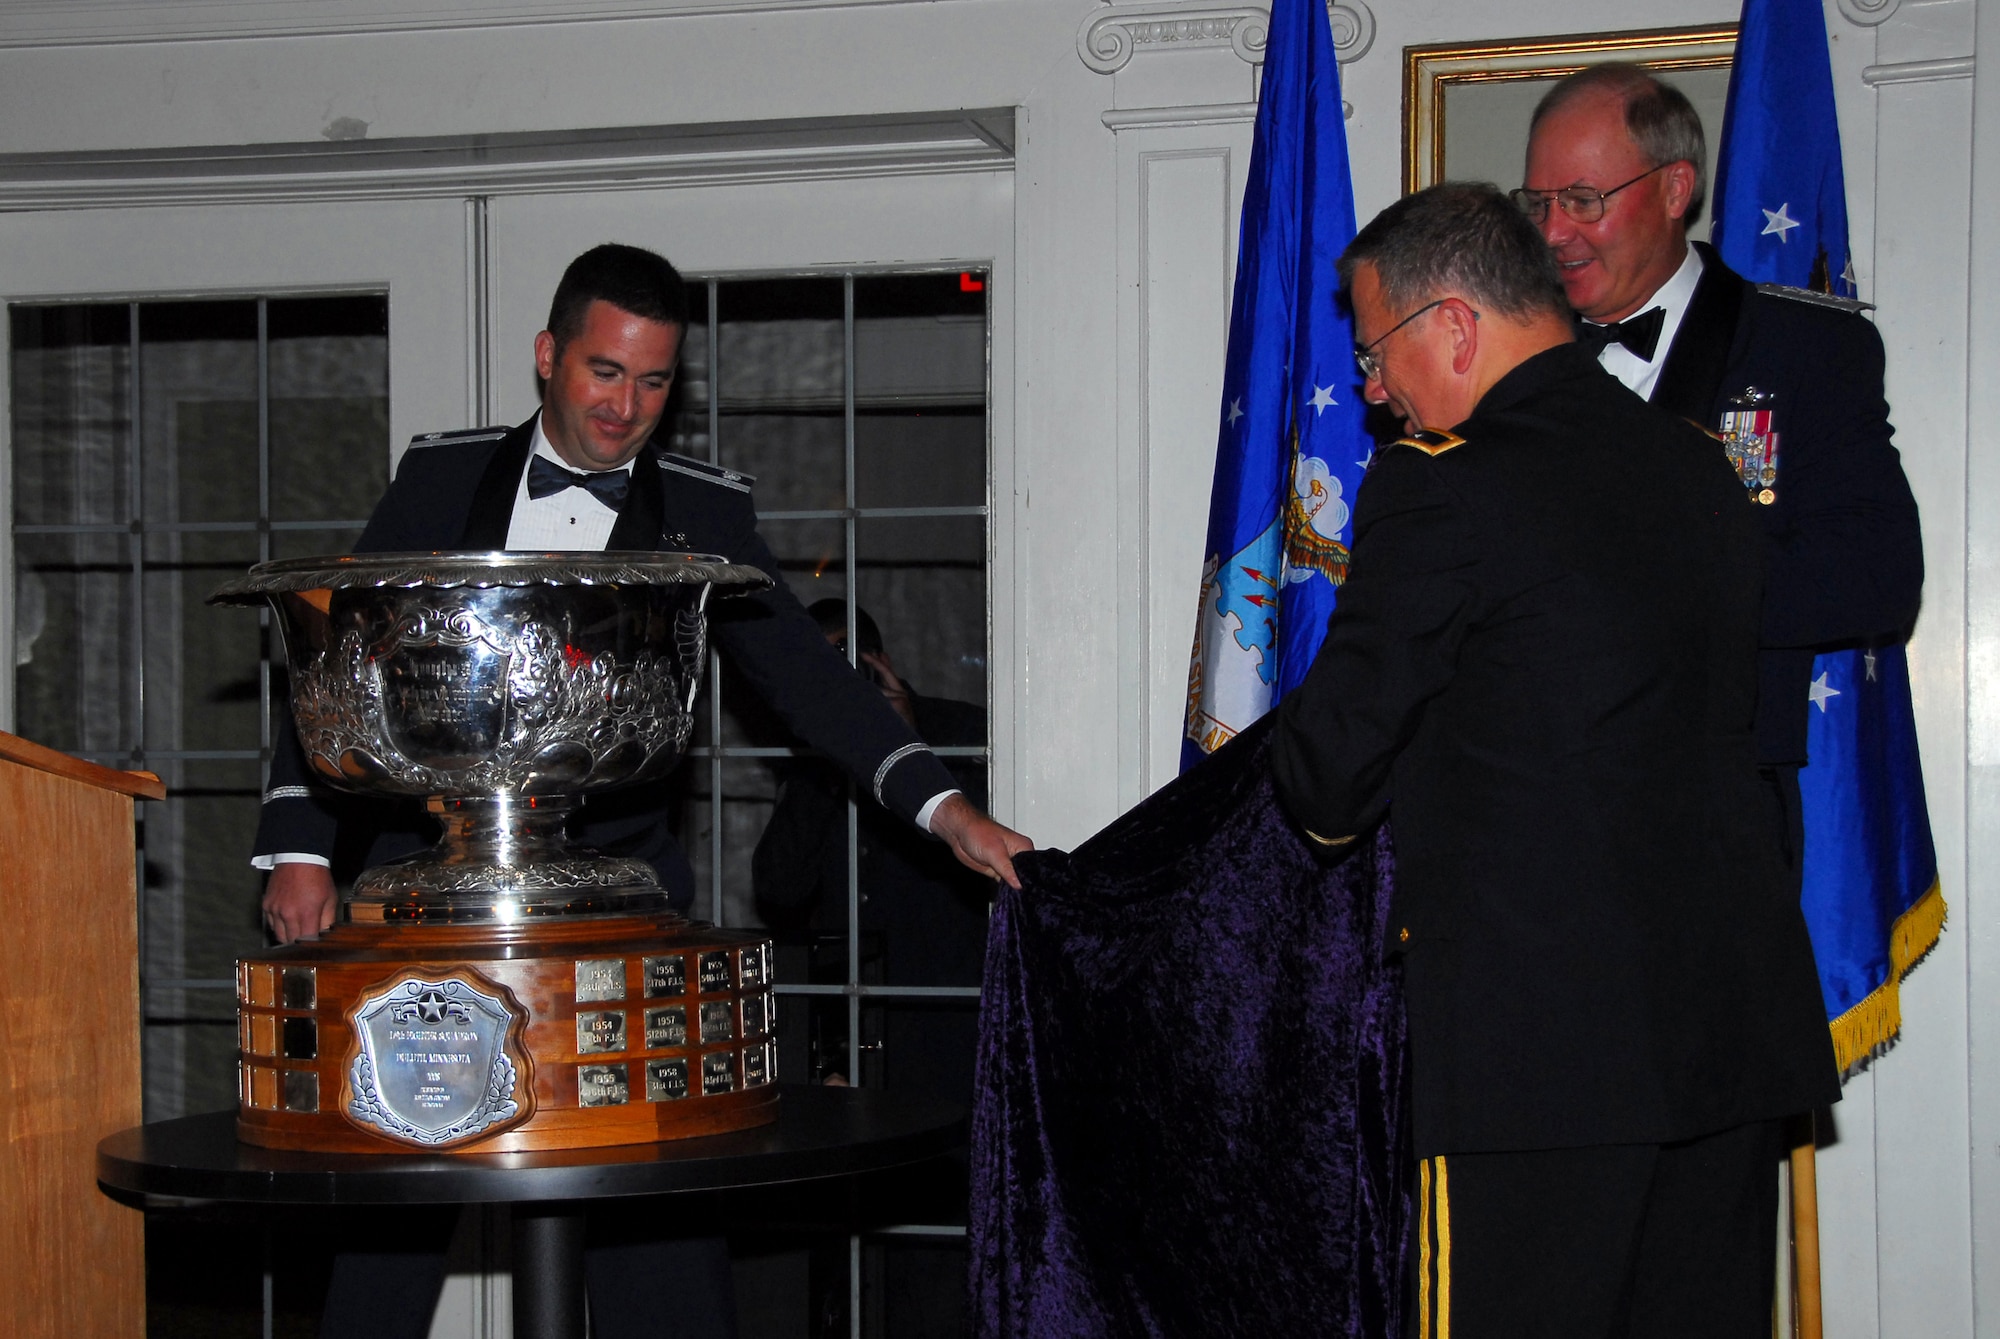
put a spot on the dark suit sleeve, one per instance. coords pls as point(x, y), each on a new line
point(781, 651)
point(807, 835)
point(1847, 563)
point(1391, 646)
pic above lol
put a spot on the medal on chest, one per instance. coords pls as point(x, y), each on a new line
point(1750, 435)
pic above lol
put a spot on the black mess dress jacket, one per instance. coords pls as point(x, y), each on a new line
point(1545, 657)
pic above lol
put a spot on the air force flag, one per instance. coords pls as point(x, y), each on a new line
point(1871, 894)
point(1292, 448)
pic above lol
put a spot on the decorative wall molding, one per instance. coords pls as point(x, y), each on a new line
point(1109, 39)
point(38, 23)
point(1161, 118)
point(1353, 29)
point(631, 158)
point(1867, 13)
point(1917, 71)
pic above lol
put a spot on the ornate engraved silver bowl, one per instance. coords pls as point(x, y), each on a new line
point(501, 688)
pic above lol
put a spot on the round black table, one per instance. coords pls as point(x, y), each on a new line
point(820, 1132)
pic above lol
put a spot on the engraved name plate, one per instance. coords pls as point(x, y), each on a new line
point(666, 1027)
point(756, 966)
point(666, 975)
point(718, 1073)
point(599, 979)
point(757, 1014)
point(439, 704)
point(299, 987)
point(666, 1080)
point(602, 1086)
point(301, 1091)
point(715, 973)
point(433, 1066)
point(599, 1031)
point(301, 1039)
point(757, 1066)
point(718, 1022)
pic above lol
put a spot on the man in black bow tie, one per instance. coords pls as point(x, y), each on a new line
point(1615, 176)
point(585, 474)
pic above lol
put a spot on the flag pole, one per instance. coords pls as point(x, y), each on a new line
point(1805, 1232)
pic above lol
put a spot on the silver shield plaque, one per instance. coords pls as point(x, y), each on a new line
point(433, 1066)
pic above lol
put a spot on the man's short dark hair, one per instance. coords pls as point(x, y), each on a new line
point(1459, 238)
point(630, 278)
point(1658, 117)
point(831, 615)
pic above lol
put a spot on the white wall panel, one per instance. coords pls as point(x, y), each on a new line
point(1922, 1219)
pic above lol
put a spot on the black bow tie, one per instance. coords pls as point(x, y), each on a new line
point(546, 477)
point(1640, 334)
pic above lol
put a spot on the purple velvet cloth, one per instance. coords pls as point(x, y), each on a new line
point(1189, 1108)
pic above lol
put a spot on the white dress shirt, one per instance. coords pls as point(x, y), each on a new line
point(568, 520)
point(1638, 374)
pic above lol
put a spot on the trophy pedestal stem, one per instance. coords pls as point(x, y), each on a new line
point(504, 859)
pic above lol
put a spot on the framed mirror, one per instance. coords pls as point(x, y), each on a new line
point(1466, 106)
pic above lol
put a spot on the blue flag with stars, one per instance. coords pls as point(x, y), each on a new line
point(1871, 894)
point(1292, 448)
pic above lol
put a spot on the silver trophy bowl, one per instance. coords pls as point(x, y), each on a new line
point(501, 688)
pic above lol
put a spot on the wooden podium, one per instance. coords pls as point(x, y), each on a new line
point(72, 1261)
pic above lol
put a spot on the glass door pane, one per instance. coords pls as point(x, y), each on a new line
point(160, 449)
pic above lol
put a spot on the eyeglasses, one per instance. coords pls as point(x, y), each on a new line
point(1581, 203)
point(1370, 361)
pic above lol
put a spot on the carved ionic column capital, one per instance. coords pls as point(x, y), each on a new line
point(1867, 13)
point(1110, 37)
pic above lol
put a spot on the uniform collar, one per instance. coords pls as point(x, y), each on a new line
point(1538, 372)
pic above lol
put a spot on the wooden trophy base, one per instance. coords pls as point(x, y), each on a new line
point(505, 1038)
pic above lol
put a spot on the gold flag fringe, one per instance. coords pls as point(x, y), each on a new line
point(1866, 1030)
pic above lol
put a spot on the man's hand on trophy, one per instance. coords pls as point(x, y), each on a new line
point(299, 901)
point(978, 841)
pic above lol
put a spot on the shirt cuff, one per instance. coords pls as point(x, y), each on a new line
point(929, 811)
point(289, 858)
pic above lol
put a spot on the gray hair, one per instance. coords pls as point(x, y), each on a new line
point(1658, 117)
point(1460, 238)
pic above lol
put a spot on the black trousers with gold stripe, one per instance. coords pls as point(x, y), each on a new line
point(1624, 1241)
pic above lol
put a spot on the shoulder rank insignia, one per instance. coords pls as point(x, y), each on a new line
point(707, 473)
point(1431, 442)
point(1816, 298)
point(460, 437)
point(1750, 436)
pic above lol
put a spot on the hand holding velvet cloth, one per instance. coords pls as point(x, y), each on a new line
point(1190, 1091)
